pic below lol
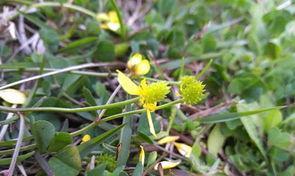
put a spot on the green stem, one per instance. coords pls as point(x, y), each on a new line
point(67, 5)
point(71, 68)
point(204, 69)
point(116, 116)
point(69, 110)
point(57, 4)
point(24, 148)
point(93, 124)
point(154, 79)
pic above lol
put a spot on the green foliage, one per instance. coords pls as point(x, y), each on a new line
point(244, 124)
point(43, 132)
point(66, 162)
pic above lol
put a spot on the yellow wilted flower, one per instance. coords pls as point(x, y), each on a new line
point(138, 65)
point(168, 139)
point(109, 21)
point(86, 138)
point(13, 96)
point(183, 149)
point(167, 164)
point(191, 89)
point(142, 155)
point(149, 94)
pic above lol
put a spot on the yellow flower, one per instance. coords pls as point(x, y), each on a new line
point(149, 94)
point(168, 139)
point(167, 164)
point(141, 156)
point(109, 21)
point(86, 138)
point(183, 149)
point(138, 65)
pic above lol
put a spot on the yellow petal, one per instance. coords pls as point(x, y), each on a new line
point(104, 26)
point(141, 155)
point(150, 121)
point(102, 17)
point(129, 86)
point(113, 26)
point(134, 60)
point(13, 96)
point(86, 138)
point(183, 149)
point(142, 68)
point(168, 164)
point(168, 139)
point(113, 16)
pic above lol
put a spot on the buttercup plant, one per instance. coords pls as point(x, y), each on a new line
point(149, 94)
point(191, 90)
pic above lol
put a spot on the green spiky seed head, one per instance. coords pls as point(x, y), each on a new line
point(191, 90)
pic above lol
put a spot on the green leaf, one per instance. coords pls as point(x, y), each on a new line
point(66, 162)
point(215, 141)
point(59, 141)
point(152, 158)
point(125, 140)
point(7, 161)
point(121, 49)
point(138, 171)
point(271, 119)
point(276, 21)
point(70, 83)
point(88, 97)
point(43, 132)
point(79, 43)
point(50, 38)
point(145, 137)
point(143, 126)
point(97, 171)
point(209, 43)
point(253, 125)
point(272, 50)
point(166, 6)
point(90, 100)
point(105, 51)
point(229, 116)
point(85, 148)
point(279, 139)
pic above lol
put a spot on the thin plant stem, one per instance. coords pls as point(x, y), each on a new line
point(95, 123)
point(67, 5)
point(76, 67)
point(87, 73)
point(116, 116)
point(109, 101)
point(69, 110)
point(4, 127)
point(24, 148)
point(17, 146)
point(204, 69)
point(56, 4)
